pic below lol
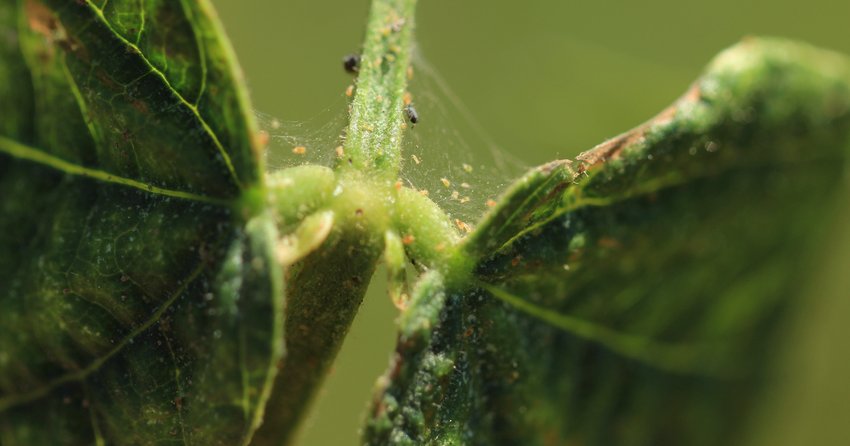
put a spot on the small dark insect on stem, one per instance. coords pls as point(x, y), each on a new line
point(412, 115)
point(351, 63)
point(375, 124)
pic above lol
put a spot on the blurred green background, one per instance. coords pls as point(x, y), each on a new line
point(544, 78)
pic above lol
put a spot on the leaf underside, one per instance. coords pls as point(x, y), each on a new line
point(632, 297)
point(638, 295)
point(139, 303)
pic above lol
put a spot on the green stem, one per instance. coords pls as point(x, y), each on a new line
point(373, 140)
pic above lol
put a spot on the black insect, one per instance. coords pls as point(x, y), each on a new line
point(412, 115)
point(351, 63)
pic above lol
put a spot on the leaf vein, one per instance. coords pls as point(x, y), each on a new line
point(27, 153)
point(7, 402)
point(194, 109)
point(202, 55)
point(685, 359)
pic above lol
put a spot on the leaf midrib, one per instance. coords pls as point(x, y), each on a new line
point(25, 152)
point(675, 358)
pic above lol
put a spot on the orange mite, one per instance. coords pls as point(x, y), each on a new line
point(462, 225)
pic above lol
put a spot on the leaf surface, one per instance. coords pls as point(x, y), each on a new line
point(140, 302)
point(638, 295)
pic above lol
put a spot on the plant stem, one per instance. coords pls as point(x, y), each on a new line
point(373, 140)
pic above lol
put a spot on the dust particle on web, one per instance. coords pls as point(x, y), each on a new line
point(446, 182)
point(415, 159)
point(467, 168)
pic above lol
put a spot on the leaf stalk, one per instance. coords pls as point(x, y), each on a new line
point(373, 139)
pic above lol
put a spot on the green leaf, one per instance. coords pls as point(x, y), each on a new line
point(139, 296)
point(647, 303)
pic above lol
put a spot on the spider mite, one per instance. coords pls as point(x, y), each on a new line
point(351, 63)
point(412, 115)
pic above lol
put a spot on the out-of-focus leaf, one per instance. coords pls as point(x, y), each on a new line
point(140, 302)
point(813, 406)
point(645, 304)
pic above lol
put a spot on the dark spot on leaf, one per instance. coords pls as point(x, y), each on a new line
point(609, 243)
